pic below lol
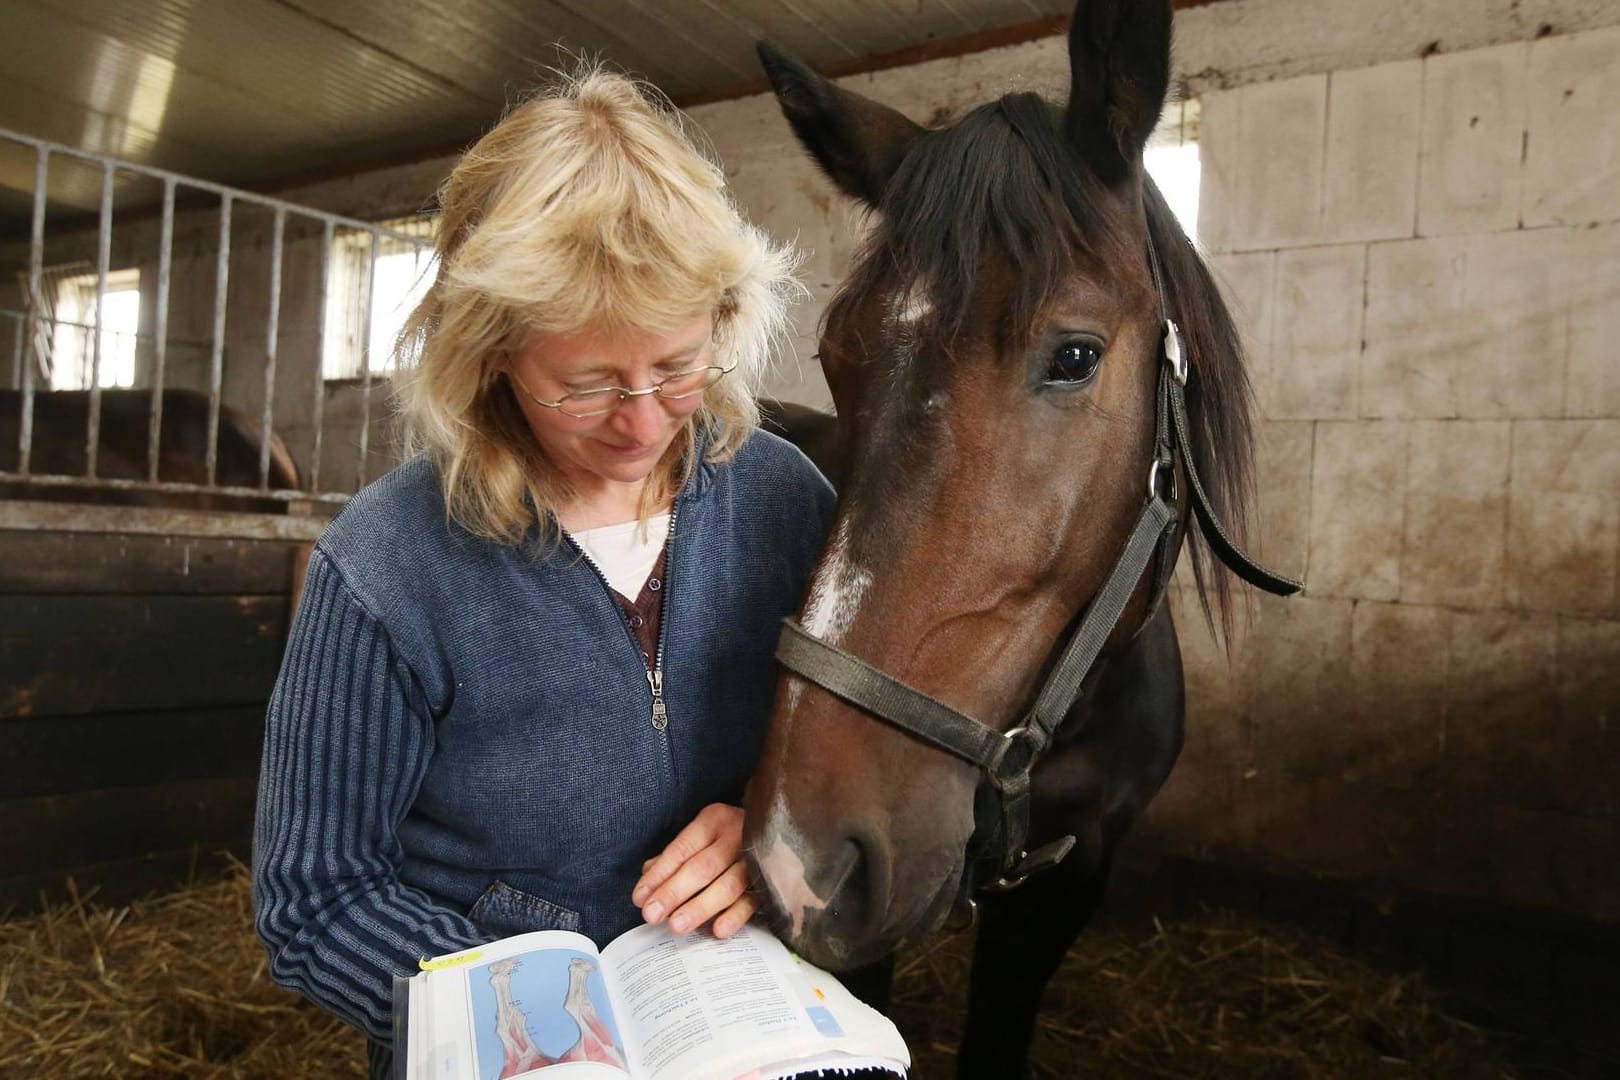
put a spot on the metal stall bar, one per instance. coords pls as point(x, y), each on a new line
point(16, 349)
point(36, 304)
point(237, 194)
point(92, 435)
point(320, 357)
point(270, 342)
point(160, 346)
point(365, 358)
point(38, 348)
point(216, 362)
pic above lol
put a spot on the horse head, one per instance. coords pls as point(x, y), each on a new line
point(994, 357)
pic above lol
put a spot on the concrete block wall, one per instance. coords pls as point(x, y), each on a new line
point(1425, 257)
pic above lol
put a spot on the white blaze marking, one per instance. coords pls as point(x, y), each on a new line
point(784, 870)
point(918, 306)
point(835, 597)
point(907, 307)
point(836, 594)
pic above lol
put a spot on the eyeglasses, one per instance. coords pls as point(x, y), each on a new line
point(586, 404)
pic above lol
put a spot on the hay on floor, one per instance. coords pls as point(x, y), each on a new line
point(176, 987)
point(1218, 997)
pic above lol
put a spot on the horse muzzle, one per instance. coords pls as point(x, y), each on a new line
point(846, 902)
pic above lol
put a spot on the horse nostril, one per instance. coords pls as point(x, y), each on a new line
point(861, 897)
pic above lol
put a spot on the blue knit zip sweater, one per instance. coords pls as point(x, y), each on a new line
point(460, 743)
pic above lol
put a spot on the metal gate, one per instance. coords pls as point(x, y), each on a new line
point(34, 325)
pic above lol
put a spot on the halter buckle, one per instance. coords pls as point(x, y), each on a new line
point(1028, 864)
point(1012, 879)
point(1174, 351)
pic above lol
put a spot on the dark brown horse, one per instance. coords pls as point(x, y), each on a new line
point(811, 430)
point(1006, 397)
point(58, 446)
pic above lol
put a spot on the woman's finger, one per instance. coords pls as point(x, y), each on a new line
point(715, 824)
point(721, 895)
point(697, 835)
point(694, 875)
point(735, 917)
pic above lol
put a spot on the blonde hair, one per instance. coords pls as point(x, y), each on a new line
point(586, 207)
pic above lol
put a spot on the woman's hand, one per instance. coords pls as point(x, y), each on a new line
point(699, 876)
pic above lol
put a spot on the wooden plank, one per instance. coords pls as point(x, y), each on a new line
point(36, 563)
point(87, 654)
point(58, 755)
point(122, 880)
point(55, 833)
point(37, 515)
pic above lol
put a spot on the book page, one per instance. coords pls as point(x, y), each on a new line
point(695, 1007)
point(526, 1004)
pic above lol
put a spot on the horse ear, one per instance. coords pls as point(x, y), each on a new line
point(857, 142)
point(1119, 64)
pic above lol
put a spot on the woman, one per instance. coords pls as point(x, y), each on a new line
point(531, 668)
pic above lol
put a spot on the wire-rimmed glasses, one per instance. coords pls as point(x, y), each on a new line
point(588, 404)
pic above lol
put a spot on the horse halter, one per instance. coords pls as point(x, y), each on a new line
point(1006, 759)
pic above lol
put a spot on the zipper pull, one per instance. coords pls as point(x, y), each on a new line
point(660, 715)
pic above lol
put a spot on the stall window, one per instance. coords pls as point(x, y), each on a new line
point(361, 328)
point(1172, 159)
point(73, 329)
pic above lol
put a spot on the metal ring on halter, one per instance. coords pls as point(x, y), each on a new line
point(1015, 754)
point(1153, 478)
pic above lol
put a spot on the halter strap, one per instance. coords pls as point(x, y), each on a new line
point(861, 684)
point(1225, 548)
point(1174, 397)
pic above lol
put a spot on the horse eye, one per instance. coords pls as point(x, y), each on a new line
point(1074, 362)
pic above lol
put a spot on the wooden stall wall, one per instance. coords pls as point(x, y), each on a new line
point(134, 675)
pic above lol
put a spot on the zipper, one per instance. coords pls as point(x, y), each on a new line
point(655, 677)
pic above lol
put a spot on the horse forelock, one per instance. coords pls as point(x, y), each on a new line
point(1001, 186)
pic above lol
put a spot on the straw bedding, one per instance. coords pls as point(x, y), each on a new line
point(175, 986)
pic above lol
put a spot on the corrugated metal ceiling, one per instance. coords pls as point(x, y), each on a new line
point(256, 93)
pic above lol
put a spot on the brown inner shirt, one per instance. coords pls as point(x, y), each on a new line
point(646, 611)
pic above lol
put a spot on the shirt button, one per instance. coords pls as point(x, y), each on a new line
point(654, 584)
point(637, 621)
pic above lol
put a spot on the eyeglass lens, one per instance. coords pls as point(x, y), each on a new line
point(680, 385)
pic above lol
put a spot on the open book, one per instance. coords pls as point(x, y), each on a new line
point(652, 1005)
